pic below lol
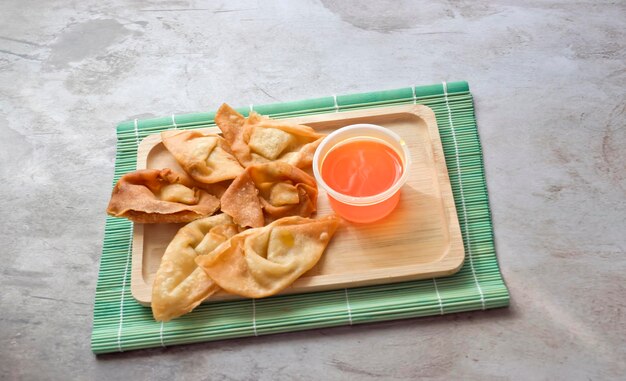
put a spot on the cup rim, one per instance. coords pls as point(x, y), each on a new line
point(364, 200)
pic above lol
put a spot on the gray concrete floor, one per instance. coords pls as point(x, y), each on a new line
point(549, 80)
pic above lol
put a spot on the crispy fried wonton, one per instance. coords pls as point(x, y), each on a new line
point(160, 196)
point(262, 262)
point(207, 158)
point(259, 139)
point(180, 285)
point(266, 192)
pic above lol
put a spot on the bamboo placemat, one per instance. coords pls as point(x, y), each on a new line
point(120, 323)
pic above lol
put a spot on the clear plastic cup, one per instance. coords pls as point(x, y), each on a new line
point(368, 208)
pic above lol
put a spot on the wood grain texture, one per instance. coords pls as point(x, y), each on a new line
point(420, 239)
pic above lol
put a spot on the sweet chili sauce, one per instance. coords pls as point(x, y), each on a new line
point(362, 168)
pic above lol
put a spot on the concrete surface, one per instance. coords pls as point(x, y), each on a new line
point(549, 80)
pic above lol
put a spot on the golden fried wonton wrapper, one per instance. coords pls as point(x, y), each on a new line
point(259, 139)
point(262, 262)
point(266, 192)
point(207, 158)
point(160, 196)
point(180, 285)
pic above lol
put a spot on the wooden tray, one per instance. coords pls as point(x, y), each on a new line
point(420, 239)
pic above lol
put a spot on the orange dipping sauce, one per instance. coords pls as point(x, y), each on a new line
point(362, 168)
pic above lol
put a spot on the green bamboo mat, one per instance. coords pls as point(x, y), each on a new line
point(121, 324)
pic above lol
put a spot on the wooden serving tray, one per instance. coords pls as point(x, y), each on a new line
point(420, 239)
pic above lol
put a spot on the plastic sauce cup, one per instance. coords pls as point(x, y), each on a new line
point(368, 208)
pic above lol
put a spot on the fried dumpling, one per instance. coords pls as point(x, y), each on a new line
point(207, 158)
point(160, 196)
point(261, 262)
point(259, 139)
point(266, 192)
point(180, 285)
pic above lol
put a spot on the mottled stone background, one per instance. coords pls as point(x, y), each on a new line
point(549, 80)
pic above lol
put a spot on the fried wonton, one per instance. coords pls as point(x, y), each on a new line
point(207, 158)
point(180, 285)
point(259, 139)
point(266, 192)
point(160, 196)
point(262, 262)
